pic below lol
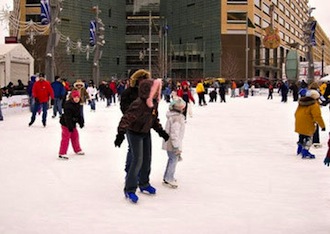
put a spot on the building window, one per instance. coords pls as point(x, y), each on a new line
point(237, 2)
point(236, 17)
point(265, 8)
point(281, 7)
point(257, 3)
point(34, 18)
point(33, 2)
point(257, 20)
point(275, 2)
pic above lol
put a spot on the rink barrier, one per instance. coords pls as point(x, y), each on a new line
point(15, 104)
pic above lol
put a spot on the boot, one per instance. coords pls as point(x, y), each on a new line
point(132, 197)
point(149, 189)
point(306, 154)
point(299, 149)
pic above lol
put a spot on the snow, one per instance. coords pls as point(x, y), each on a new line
point(239, 174)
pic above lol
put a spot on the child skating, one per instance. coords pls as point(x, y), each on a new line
point(175, 127)
point(71, 116)
point(307, 115)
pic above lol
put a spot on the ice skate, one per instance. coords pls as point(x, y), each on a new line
point(172, 184)
point(80, 153)
point(149, 189)
point(306, 154)
point(63, 157)
point(132, 197)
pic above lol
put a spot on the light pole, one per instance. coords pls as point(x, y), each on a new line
point(142, 55)
point(322, 65)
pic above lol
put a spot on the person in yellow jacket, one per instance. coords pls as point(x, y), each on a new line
point(200, 90)
point(322, 88)
point(308, 114)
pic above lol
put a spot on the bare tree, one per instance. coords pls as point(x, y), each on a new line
point(230, 65)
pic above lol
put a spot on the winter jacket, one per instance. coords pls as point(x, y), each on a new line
point(307, 114)
point(175, 127)
point(58, 89)
point(127, 97)
point(42, 90)
point(139, 118)
point(71, 115)
point(92, 91)
point(185, 95)
point(200, 88)
point(113, 87)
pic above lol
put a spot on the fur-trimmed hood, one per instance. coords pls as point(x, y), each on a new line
point(137, 76)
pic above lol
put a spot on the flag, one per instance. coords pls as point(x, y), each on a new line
point(92, 33)
point(312, 35)
point(250, 24)
point(45, 12)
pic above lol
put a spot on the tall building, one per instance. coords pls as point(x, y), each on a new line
point(227, 38)
point(193, 36)
point(74, 54)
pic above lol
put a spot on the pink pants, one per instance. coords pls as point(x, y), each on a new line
point(66, 136)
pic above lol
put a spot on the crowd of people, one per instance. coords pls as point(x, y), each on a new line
point(138, 99)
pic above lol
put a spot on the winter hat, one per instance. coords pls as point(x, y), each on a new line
point(313, 94)
point(184, 83)
point(140, 74)
point(177, 104)
point(78, 82)
point(75, 93)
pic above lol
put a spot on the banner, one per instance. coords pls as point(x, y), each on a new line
point(45, 12)
point(92, 33)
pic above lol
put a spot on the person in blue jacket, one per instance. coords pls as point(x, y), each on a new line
point(59, 93)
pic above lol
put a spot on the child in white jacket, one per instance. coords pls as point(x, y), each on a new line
point(175, 126)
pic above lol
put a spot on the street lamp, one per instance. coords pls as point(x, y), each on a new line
point(322, 66)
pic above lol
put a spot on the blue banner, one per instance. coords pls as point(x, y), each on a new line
point(45, 12)
point(312, 36)
point(92, 33)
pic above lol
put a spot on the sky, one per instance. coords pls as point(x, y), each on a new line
point(321, 13)
point(240, 175)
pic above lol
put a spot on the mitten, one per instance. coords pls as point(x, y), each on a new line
point(81, 125)
point(52, 102)
point(323, 129)
point(36, 100)
point(119, 139)
point(164, 135)
point(327, 161)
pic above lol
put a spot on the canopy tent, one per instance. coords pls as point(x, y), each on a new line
point(15, 63)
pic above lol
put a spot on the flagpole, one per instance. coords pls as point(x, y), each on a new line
point(246, 47)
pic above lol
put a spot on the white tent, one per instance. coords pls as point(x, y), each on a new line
point(15, 63)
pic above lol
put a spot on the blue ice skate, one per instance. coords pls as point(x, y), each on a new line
point(149, 189)
point(132, 197)
point(299, 149)
point(306, 154)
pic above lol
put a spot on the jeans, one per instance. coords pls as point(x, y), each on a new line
point(44, 107)
point(171, 166)
point(92, 103)
point(139, 170)
point(57, 106)
point(66, 137)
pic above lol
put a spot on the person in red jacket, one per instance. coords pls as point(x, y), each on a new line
point(41, 92)
point(186, 95)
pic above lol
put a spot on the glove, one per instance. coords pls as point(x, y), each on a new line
point(327, 161)
point(81, 125)
point(52, 102)
point(119, 139)
point(323, 129)
point(177, 152)
point(36, 100)
point(164, 135)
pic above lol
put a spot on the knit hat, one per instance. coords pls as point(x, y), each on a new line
point(75, 93)
point(177, 104)
point(184, 83)
point(313, 94)
point(137, 76)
